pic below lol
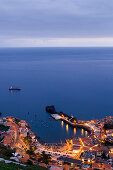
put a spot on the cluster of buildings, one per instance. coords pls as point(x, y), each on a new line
point(91, 152)
point(6, 136)
point(95, 150)
point(17, 135)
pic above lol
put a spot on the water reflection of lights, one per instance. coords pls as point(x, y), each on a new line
point(82, 132)
point(74, 131)
point(86, 133)
point(62, 123)
point(67, 127)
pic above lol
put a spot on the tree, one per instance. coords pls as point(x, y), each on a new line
point(5, 151)
point(17, 120)
point(45, 158)
point(29, 162)
point(104, 156)
point(30, 151)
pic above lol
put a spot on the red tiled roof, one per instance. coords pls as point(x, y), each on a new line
point(25, 158)
point(96, 165)
point(42, 164)
point(106, 166)
point(22, 121)
point(32, 135)
point(9, 124)
point(55, 168)
point(7, 140)
point(111, 155)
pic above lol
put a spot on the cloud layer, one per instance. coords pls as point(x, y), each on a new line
point(39, 19)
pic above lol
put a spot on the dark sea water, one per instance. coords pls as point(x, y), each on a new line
point(78, 81)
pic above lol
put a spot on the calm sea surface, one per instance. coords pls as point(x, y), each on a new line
point(78, 81)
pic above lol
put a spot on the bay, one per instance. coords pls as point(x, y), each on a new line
point(78, 81)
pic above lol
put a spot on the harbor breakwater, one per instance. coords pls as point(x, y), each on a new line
point(72, 121)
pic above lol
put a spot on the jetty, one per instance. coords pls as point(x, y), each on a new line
point(56, 116)
point(72, 121)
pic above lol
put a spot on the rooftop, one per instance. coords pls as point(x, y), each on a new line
point(69, 160)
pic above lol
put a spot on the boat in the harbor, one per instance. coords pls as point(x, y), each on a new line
point(14, 88)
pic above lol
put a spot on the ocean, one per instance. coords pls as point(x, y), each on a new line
point(77, 81)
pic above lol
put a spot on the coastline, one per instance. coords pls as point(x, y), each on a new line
point(20, 137)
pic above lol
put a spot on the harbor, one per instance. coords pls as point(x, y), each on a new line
point(72, 121)
point(77, 152)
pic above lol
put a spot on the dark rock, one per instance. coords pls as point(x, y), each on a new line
point(108, 126)
point(50, 109)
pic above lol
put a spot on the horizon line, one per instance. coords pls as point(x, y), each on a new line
point(56, 42)
point(57, 47)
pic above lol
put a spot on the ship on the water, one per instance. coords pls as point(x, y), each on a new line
point(14, 88)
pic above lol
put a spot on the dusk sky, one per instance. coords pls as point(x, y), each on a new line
point(38, 23)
